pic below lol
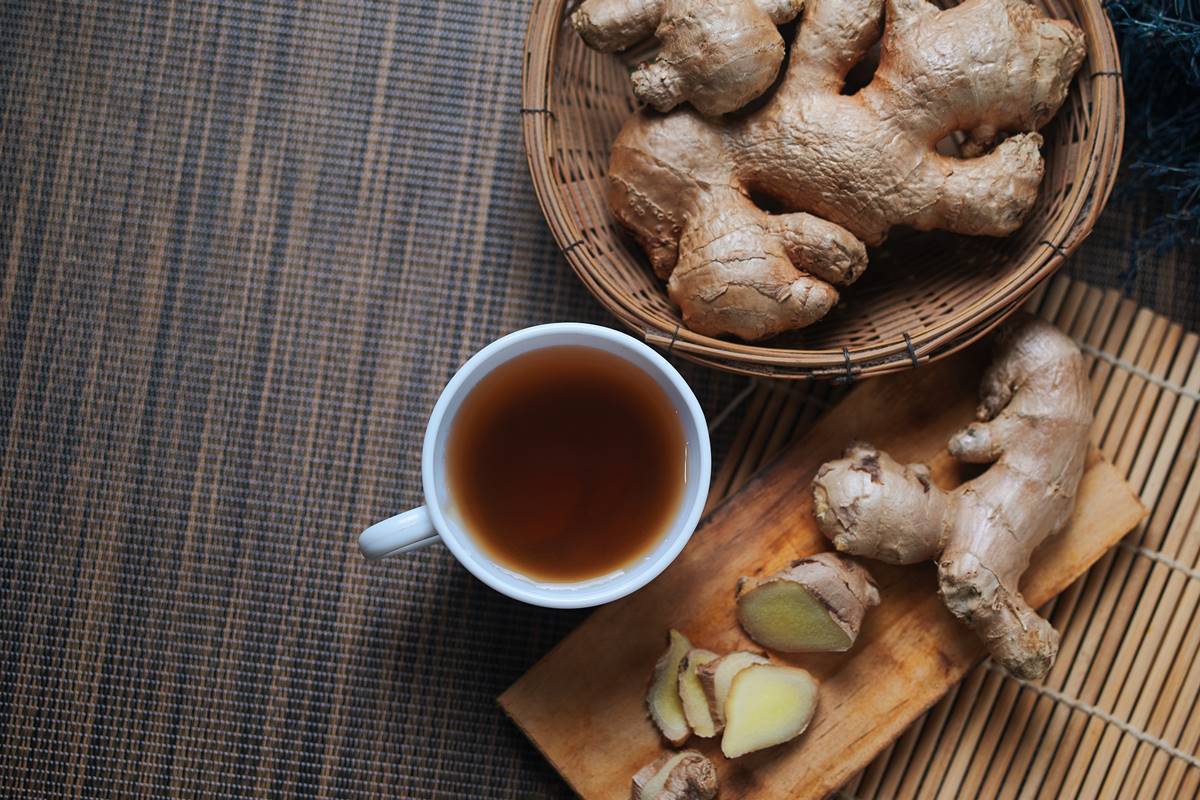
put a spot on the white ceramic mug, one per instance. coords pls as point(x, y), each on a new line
point(438, 518)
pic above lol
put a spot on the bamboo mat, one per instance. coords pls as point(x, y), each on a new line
point(1116, 717)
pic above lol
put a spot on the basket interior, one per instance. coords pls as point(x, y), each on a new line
point(932, 287)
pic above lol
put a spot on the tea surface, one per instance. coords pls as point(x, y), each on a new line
point(566, 463)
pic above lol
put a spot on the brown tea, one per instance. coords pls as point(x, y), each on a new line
point(566, 463)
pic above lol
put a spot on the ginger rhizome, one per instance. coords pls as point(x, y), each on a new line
point(1034, 421)
point(695, 703)
point(687, 775)
point(716, 677)
point(814, 606)
point(662, 698)
point(716, 55)
point(767, 705)
point(845, 168)
point(756, 703)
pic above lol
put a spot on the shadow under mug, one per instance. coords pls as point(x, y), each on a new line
point(439, 518)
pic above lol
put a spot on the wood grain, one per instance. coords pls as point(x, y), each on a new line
point(582, 705)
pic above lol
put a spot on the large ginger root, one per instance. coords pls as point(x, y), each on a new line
point(767, 705)
point(717, 54)
point(662, 698)
point(848, 167)
point(1035, 416)
point(676, 776)
point(814, 606)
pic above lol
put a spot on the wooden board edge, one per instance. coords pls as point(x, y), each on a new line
point(558, 769)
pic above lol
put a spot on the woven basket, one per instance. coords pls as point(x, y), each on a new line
point(923, 296)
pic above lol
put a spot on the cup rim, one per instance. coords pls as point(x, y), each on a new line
point(585, 596)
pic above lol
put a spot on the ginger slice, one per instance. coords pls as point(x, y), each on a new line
point(814, 606)
point(662, 699)
point(691, 693)
point(676, 776)
point(767, 705)
point(716, 676)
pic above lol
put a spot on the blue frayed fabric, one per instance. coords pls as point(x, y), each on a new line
point(1160, 60)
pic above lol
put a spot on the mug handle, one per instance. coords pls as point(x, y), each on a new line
point(411, 530)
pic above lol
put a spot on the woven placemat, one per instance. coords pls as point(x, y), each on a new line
point(243, 244)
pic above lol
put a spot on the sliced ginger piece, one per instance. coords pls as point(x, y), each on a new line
point(767, 705)
point(676, 776)
point(691, 693)
point(662, 699)
point(716, 676)
point(814, 606)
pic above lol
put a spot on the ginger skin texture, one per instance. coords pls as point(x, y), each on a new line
point(716, 55)
point(1034, 421)
point(676, 776)
point(814, 606)
point(846, 168)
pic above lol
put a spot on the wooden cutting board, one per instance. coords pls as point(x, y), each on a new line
point(583, 704)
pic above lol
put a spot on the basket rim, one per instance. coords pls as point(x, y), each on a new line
point(1078, 212)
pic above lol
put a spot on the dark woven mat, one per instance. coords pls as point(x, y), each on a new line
point(243, 246)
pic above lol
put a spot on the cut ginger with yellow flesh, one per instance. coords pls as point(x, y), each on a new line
point(767, 705)
point(814, 606)
point(691, 693)
point(716, 677)
point(662, 698)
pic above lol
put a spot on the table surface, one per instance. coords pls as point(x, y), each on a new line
point(244, 245)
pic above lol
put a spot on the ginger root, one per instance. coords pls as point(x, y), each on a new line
point(814, 606)
point(662, 698)
point(717, 675)
point(1034, 420)
point(767, 705)
point(697, 691)
point(847, 168)
point(716, 55)
point(691, 693)
point(676, 776)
